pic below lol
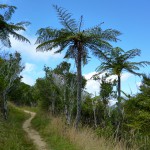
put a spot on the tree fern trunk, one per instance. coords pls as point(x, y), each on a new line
point(79, 83)
point(119, 94)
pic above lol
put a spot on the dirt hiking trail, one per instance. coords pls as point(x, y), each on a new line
point(33, 134)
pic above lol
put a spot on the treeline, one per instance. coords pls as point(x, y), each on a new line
point(63, 92)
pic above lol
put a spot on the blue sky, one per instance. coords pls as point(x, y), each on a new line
point(131, 17)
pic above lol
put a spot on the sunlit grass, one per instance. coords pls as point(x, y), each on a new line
point(51, 134)
point(33, 109)
point(61, 137)
point(12, 136)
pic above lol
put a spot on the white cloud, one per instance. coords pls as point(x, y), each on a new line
point(138, 84)
point(126, 76)
point(29, 50)
point(29, 67)
point(93, 86)
point(89, 75)
point(28, 79)
point(31, 73)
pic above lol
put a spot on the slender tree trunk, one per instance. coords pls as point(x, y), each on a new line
point(119, 94)
point(53, 103)
point(5, 106)
point(79, 88)
point(119, 119)
point(67, 106)
point(94, 111)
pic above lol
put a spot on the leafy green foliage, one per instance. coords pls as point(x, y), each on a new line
point(22, 94)
point(48, 91)
point(140, 107)
point(10, 69)
point(87, 112)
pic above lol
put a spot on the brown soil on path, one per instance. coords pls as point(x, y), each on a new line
point(33, 134)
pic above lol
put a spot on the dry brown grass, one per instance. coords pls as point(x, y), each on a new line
point(85, 138)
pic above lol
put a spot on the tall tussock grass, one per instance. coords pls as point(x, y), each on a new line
point(85, 138)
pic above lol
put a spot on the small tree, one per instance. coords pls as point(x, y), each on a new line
point(106, 93)
point(10, 70)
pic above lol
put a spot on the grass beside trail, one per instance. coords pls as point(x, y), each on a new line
point(12, 136)
point(48, 131)
point(61, 137)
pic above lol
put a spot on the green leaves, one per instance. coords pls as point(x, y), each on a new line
point(137, 109)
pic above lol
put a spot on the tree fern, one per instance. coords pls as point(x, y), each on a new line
point(7, 28)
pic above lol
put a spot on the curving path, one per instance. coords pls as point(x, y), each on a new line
point(33, 134)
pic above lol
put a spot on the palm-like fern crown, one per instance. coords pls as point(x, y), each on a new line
point(117, 60)
point(7, 28)
point(72, 37)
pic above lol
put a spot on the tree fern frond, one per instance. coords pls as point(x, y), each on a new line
point(23, 23)
point(71, 52)
point(18, 36)
point(132, 53)
point(141, 63)
point(46, 34)
point(80, 24)
point(9, 12)
point(15, 27)
point(96, 27)
point(110, 35)
point(133, 72)
point(65, 19)
point(44, 46)
point(4, 38)
point(85, 56)
point(7, 29)
point(62, 46)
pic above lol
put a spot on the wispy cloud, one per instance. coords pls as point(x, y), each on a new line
point(138, 84)
point(28, 79)
point(29, 67)
point(29, 51)
point(126, 76)
point(31, 73)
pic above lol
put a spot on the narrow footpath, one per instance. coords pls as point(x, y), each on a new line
point(33, 134)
